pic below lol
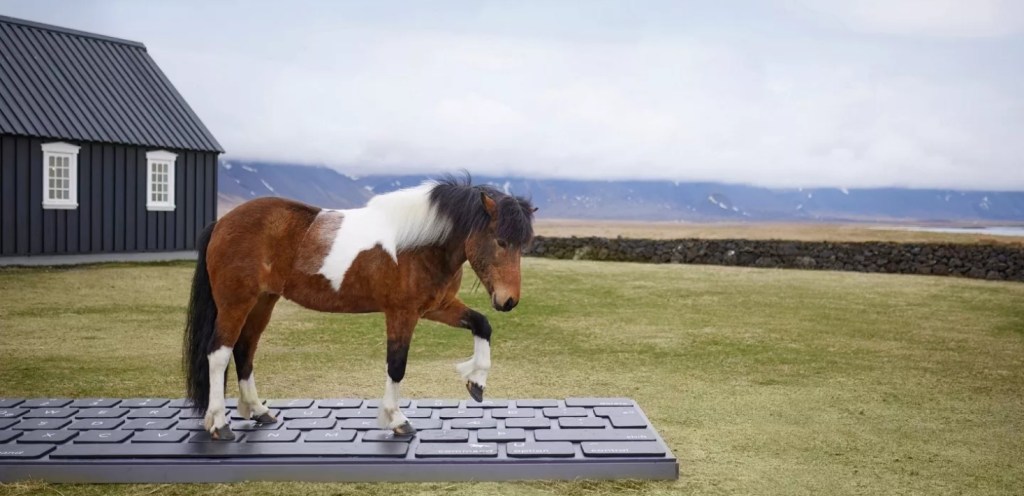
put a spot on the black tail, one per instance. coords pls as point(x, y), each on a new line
point(200, 329)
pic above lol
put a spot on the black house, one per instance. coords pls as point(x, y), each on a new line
point(99, 154)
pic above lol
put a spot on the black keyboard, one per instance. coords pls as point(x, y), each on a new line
point(162, 440)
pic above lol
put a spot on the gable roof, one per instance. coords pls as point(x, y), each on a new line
point(67, 84)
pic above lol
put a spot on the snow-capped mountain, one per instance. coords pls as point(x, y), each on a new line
point(636, 200)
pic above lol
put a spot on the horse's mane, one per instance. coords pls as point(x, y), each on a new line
point(459, 200)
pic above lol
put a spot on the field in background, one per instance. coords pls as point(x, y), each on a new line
point(761, 381)
point(787, 231)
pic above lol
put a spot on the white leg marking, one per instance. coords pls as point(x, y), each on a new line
point(215, 413)
point(390, 416)
point(249, 405)
point(475, 369)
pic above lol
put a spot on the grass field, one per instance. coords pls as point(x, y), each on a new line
point(797, 231)
point(761, 381)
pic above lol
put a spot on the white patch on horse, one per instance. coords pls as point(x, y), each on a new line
point(395, 221)
point(216, 413)
point(389, 416)
point(475, 369)
point(249, 404)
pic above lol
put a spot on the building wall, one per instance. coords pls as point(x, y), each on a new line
point(111, 214)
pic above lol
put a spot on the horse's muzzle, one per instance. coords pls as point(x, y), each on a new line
point(509, 304)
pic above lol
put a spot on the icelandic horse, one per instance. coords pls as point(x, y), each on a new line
point(402, 254)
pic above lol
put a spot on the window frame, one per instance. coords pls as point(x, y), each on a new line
point(152, 158)
point(60, 149)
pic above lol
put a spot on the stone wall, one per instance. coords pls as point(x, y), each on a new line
point(981, 261)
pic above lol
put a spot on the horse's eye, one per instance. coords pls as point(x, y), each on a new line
point(502, 243)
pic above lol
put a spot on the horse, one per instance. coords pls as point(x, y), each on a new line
point(402, 255)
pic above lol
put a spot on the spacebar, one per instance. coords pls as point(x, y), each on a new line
point(229, 450)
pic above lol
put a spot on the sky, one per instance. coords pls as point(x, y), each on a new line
point(779, 93)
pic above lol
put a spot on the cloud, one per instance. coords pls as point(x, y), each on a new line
point(768, 97)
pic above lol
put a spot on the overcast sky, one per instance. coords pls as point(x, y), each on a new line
point(922, 93)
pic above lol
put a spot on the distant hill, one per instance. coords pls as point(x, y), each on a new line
point(637, 200)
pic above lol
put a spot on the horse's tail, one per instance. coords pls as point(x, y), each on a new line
point(200, 329)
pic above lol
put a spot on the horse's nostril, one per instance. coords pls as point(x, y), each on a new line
point(509, 304)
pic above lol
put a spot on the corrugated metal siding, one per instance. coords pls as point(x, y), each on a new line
point(64, 84)
point(111, 214)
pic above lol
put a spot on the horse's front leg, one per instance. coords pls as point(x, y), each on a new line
point(400, 328)
point(473, 371)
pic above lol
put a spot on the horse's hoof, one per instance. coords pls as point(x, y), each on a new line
point(223, 433)
point(266, 418)
point(406, 429)
point(476, 391)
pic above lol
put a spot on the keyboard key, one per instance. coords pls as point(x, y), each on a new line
point(444, 436)
point(487, 404)
point(598, 402)
point(360, 424)
point(432, 403)
point(192, 425)
point(12, 412)
point(95, 424)
point(228, 450)
point(540, 450)
point(347, 413)
point(474, 423)
point(578, 435)
point(41, 424)
point(46, 403)
point(159, 436)
point(50, 413)
point(103, 436)
point(10, 402)
point(622, 417)
point(402, 403)
point(5, 423)
point(94, 403)
point(457, 450)
point(503, 435)
point(204, 437)
point(500, 413)
point(310, 413)
point(292, 403)
point(149, 425)
point(14, 451)
point(623, 449)
point(53, 437)
point(310, 424)
point(340, 403)
point(384, 437)
point(528, 423)
point(329, 436)
point(536, 403)
point(237, 416)
point(565, 412)
point(582, 423)
point(186, 404)
point(278, 436)
point(8, 435)
point(418, 413)
point(153, 413)
point(144, 403)
point(425, 424)
point(101, 413)
point(451, 413)
point(250, 425)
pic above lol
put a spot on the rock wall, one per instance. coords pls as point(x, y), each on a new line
point(981, 261)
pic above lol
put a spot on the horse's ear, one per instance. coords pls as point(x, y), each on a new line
point(535, 209)
point(489, 205)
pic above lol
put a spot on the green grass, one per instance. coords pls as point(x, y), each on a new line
point(761, 381)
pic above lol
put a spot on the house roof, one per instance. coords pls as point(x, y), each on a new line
point(67, 84)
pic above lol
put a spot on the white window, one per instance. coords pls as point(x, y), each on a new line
point(60, 175)
point(160, 180)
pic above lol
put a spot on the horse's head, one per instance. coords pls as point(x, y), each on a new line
point(494, 252)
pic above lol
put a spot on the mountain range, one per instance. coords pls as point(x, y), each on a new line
point(239, 181)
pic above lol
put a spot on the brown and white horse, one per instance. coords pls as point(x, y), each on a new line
point(402, 255)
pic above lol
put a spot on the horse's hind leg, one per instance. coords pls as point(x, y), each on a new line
point(249, 404)
point(231, 317)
